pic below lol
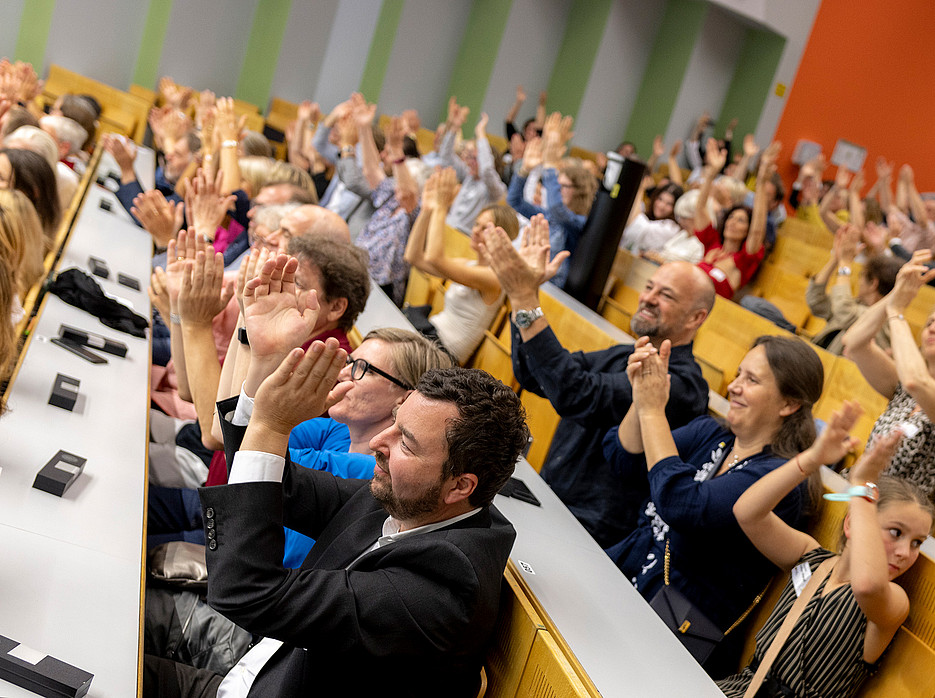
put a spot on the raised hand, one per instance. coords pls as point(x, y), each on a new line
point(205, 207)
point(411, 121)
point(226, 122)
point(521, 272)
point(659, 147)
point(302, 387)
point(159, 217)
point(750, 148)
point(363, 112)
point(457, 114)
point(884, 168)
point(122, 150)
point(177, 251)
point(204, 292)
point(846, 243)
point(857, 183)
point(770, 155)
point(835, 441)
point(676, 149)
point(254, 261)
point(912, 276)
point(874, 460)
point(714, 157)
point(520, 94)
point(648, 371)
point(446, 188)
point(275, 322)
point(906, 174)
point(159, 293)
point(480, 130)
point(532, 156)
point(842, 177)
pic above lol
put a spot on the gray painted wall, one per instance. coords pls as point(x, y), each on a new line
point(346, 53)
point(617, 72)
point(419, 70)
point(207, 54)
point(530, 44)
point(709, 72)
point(115, 36)
point(11, 11)
point(303, 50)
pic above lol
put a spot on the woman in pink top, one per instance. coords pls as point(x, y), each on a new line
point(733, 250)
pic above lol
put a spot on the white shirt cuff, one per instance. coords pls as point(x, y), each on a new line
point(243, 411)
point(256, 466)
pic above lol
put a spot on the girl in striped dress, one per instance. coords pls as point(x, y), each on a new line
point(848, 623)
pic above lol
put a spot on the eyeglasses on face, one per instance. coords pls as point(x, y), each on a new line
point(359, 368)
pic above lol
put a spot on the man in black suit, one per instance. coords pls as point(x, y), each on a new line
point(403, 604)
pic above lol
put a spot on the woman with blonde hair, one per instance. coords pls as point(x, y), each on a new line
point(21, 240)
point(474, 295)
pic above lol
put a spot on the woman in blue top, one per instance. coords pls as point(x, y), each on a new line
point(695, 474)
point(569, 190)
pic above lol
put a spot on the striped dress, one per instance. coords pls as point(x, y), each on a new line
point(823, 655)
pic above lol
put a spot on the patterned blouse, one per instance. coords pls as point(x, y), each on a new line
point(915, 456)
point(385, 236)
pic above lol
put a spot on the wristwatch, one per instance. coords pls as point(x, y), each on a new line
point(868, 491)
point(524, 318)
point(844, 271)
point(242, 336)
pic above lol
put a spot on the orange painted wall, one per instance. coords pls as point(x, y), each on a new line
point(867, 76)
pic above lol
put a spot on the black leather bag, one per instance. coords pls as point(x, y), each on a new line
point(693, 629)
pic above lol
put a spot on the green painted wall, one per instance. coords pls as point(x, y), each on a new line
point(34, 31)
point(371, 82)
point(154, 34)
point(659, 89)
point(583, 33)
point(263, 49)
point(474, 65)
point(753, 79)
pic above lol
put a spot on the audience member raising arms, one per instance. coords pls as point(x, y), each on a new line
point(907, 379)
point(570, 189)
point(395, 198)
point(696, 473)
point(474, 295)
point(734, 250)
point(857, 607)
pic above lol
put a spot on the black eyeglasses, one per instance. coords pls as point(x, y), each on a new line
point(359, 368)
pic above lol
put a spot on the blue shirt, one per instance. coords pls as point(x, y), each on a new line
point(321, 444)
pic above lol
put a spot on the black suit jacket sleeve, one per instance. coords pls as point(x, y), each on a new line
point(420, 595)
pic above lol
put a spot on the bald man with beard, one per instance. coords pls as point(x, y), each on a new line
point(591, 391)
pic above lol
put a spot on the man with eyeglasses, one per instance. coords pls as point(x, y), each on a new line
point(403, 604)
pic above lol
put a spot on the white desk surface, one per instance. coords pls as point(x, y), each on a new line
point(145, 167)
point(74, 590)
point(619, 640)
point(380, 311)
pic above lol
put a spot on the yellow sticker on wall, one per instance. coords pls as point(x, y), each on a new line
point(780, 89)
